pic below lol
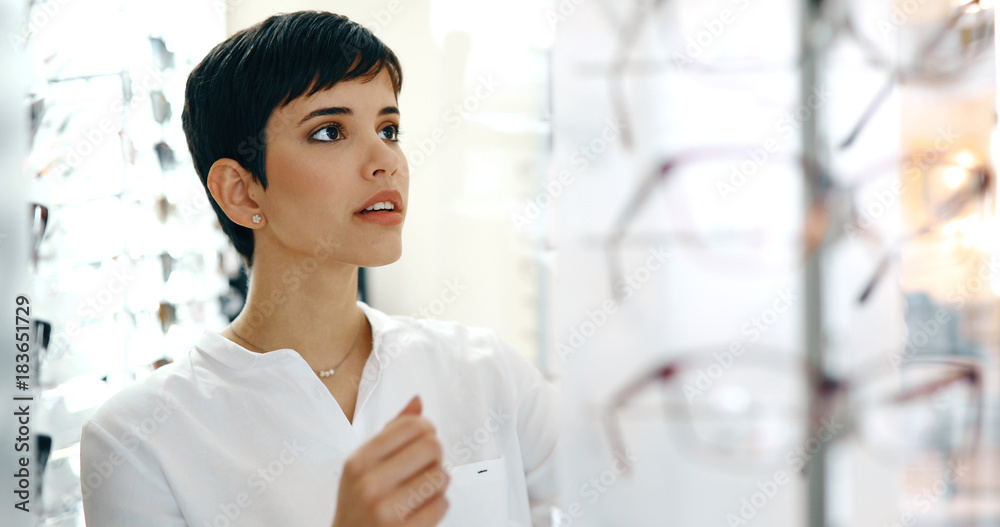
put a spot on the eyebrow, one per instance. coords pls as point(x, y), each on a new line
point(340, 110)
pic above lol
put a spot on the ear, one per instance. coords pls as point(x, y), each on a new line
point(232, 186)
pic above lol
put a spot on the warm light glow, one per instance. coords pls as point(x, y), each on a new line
point(972, 232)
point(975, 7)
point(965, 159)
point(954, 176)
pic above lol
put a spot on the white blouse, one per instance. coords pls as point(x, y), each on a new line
point(224, 436)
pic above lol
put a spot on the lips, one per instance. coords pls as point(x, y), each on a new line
point(384, 208)
point(390, 196)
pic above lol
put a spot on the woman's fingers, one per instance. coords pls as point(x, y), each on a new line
point(409, 460)
point(405, 428)
point(430, 514)
point(424, 490)
point(396, 478)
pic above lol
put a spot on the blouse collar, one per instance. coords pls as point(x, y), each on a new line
point(237, 357)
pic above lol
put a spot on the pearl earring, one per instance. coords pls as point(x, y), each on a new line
point(256, 218)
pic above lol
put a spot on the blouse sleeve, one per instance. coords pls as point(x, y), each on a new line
point(538, 431)
point(119, 488)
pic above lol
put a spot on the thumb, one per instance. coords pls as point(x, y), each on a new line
point(414, 407)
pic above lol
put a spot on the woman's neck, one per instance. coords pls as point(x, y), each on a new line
point(309, 306)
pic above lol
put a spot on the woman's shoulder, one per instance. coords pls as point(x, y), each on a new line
point(410, 331)
point(476, 346)
point(164, 393)
point(481, 339)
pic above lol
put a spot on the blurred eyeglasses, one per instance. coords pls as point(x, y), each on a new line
point(92, 231)
point(935, 49)
point(735, 207)
point(680, 17)
point(76, 147)
point(951, 183)
point(750, 413)
point(918, 48)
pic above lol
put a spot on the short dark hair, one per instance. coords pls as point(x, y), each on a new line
point(232, 92)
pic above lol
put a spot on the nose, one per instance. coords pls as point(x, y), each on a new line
point(382, 159)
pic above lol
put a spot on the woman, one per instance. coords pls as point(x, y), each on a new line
point(312, 408)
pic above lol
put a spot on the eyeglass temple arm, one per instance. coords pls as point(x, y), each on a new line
point(628, 37)
point(880, 97)
point(970, 373)
point(628, 213)
point(869, 112)
point(623, 395)
point(883, 265)
point(945, 211)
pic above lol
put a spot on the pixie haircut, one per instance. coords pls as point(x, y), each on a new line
point(232, 92)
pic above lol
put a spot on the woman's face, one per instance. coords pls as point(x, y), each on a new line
point(329, 156)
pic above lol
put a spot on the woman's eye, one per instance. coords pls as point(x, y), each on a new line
point(391, 132)
point(327, 133)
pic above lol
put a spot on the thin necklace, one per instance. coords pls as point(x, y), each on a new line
point(321, 373)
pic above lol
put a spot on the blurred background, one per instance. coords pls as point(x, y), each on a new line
point(745, 279)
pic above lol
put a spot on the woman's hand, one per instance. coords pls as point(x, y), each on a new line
point(396, 478)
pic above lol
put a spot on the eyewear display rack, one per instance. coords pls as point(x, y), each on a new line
point(124, 261)
point(665, 317)
point(813, 45)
